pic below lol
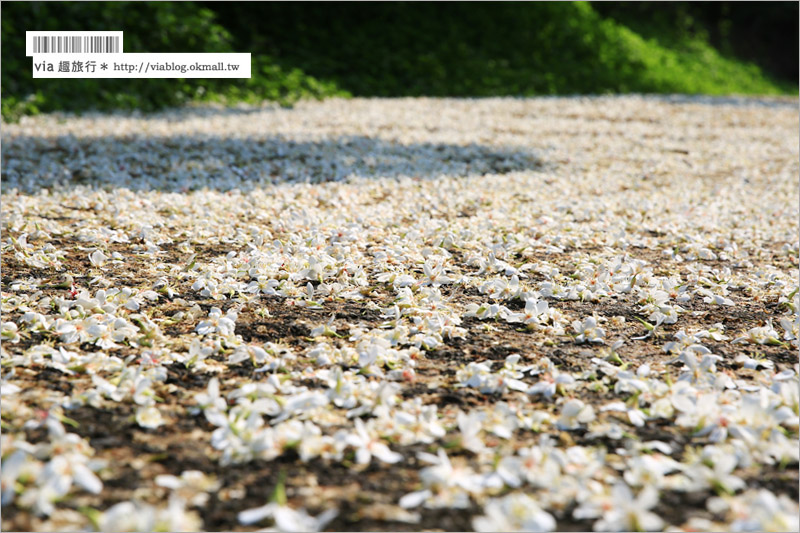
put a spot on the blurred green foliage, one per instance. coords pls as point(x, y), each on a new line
point(147, 27)
point(316, 50)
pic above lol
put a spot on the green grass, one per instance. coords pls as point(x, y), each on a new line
point(390, 49)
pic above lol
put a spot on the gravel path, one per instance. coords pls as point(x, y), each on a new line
point(497, 314)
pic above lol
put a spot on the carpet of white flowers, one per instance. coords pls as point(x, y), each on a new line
point(499, 315)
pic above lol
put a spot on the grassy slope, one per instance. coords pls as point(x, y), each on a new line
point(482, 49)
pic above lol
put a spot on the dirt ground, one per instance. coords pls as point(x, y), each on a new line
point(557, 188)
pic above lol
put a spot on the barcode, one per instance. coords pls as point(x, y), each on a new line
point(86, 44)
